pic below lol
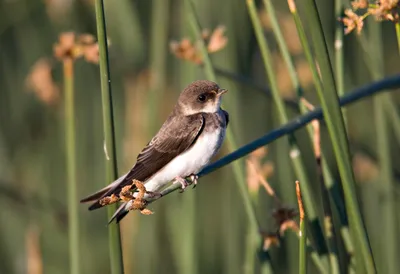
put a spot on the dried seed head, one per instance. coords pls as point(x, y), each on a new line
point(40, 81)
point(257, 172)
point(382, 10)
point(190, 51)
point(65, 46)
point(108, 200)
point(270, 239)
point(146, 211)
point(283, 214)
point(217, 40)
point(289, 224)
point(71, 47)
point(359, 4)
point(352, 21)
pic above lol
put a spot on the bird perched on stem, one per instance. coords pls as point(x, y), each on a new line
point(188, 139)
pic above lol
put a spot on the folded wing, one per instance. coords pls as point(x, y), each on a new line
point(176, 136)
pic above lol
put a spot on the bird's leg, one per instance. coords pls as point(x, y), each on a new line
point(182, 181)
point(194, 179)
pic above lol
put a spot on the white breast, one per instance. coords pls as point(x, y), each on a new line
point(189, 162)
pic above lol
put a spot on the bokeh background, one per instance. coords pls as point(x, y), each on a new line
point(203, 230)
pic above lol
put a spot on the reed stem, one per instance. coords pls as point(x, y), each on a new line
point(70, 144)
point(325, 173)
point(238, 167)
point(295, 153)
point(339, 64)
point(337, 131)
point(302, 233)
point(109, 136)
point(397, 27)
point(210, 74)
point(382, 120)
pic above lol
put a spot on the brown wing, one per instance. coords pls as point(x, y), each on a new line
point(176, 136)
point(172, 140)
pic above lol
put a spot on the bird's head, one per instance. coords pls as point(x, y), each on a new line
point(200, 96)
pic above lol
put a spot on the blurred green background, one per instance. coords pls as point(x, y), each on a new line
point(203, 230)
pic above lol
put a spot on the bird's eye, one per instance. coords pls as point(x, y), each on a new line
point(201, 98)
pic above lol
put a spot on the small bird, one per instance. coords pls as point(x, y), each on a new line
point(188, 139)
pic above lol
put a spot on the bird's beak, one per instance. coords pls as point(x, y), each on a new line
point(221, 91)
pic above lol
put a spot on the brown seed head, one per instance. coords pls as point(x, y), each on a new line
point(40, 81)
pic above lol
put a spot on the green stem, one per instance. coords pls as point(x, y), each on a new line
point(159, 42)
point(337, 132)
point(283, 46)
point(318, 263)
point(209, 70)
point(109, 136)
point(392, 112)
point(303, 247)
point(385, 114)
point(331, 241)
point(297, 161)
point(339, 67)
point(238, 167)
point(370, 60)
point(397, 26)
point(183, 229)
point(70, 144)
point(326, 173)
point(382, 119)
point(330, 233)
point(302, 233)
point(306, 46)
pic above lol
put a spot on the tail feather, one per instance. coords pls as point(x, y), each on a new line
point(120, 213)
point(97, 196)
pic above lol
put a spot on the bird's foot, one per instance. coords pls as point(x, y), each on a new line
point(194, 179)
point(183, 183)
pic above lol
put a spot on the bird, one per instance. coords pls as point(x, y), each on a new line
point(191, 135)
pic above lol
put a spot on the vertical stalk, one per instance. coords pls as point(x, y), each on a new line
point(339, 68)
point(183, 230)
point(337, 132)
point(390, 106)
point(297, 162)
point(209, 70)
point(302, 248)
point(109, 135)
point(326, 188)
point(302, 233)
point(70, 144)
point(158, 57)
point(385, 113)
point(388, 226)
point(238, 168)
point(397, 27)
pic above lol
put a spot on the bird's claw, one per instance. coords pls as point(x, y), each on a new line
point(183, 183)
point(194, 179)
